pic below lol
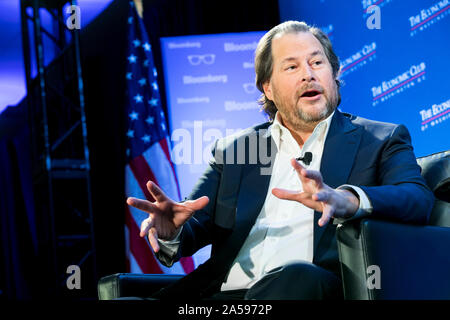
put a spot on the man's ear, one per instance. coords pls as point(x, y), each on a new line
point(268, 90)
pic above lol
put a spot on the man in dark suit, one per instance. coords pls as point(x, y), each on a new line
point(271, 220)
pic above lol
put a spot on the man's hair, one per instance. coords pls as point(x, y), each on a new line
point(264, 59)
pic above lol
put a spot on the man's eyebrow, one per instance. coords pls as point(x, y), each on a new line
point(316, 53)
point(311, 55)
point(288, 59)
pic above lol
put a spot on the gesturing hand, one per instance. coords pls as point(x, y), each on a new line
point(165, 216)
point(317, 195)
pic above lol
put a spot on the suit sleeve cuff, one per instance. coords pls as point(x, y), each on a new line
point(170, 247)
point(365, 206)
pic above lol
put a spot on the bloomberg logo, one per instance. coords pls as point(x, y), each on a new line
point(205, 79)
point(236, 47)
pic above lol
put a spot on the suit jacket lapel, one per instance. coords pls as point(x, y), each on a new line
point(338, 155)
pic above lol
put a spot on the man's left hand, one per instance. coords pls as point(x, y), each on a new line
point(333, 203)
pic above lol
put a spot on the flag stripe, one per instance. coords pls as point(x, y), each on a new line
point(139, 247)
point(165, 146)
point(132, 265)
point(142, 174)
point(127, 250)
point(161, 170)
point(133, 188)
point(188, 264)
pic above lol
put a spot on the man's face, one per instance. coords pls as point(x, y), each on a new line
point(302, 85)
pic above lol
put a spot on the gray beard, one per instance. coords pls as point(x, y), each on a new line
point(308, 118)
point(299, 118)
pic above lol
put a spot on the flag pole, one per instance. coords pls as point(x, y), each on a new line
point(139, 7)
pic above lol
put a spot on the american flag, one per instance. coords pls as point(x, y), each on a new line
point(147, 152)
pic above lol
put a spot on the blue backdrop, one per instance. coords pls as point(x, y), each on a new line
point(398, 73)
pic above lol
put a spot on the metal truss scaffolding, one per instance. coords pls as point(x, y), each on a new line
point(60, 154)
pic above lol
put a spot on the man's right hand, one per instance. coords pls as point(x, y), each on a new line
point(165, 216)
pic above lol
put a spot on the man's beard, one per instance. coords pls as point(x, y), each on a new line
point(330, 105)
point(298, 118)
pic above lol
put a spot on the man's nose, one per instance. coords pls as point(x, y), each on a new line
point(308, 74)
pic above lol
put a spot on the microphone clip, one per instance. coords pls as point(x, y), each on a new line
point(306, 159)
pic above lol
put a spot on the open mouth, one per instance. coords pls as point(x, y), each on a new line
point(311, 94)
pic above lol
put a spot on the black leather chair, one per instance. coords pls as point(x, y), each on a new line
point(413, 261)
point(133, 284)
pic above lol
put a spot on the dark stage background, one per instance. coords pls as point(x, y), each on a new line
point(26, 271)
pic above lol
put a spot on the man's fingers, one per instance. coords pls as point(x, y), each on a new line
point(145, 226)
point(197, 204)
point(302, 197)
point(153, 239)
point(286, 194)
point(321, 196)
point(143, 205)
point(297, 166)
point(327, 214)
point(156, 192)
point(313, 175)
point(306, 174)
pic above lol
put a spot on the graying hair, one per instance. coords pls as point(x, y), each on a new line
point(264, 59)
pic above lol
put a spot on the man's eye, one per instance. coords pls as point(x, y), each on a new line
point(290, 67)
point(318, 62)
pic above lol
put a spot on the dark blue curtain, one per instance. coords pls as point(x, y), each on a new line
point(17, 215)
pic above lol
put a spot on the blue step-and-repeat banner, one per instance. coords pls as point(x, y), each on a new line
point(395, 65)
point(211, 93)
point(395, 61)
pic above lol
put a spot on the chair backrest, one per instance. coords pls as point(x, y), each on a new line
point(436, 172)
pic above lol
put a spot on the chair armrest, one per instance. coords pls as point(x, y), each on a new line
point(133, 284)
point(414, 261)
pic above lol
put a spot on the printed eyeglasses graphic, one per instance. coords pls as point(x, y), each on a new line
point(249, 87)
point(196, 59)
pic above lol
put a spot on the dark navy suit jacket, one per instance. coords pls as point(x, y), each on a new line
point(375, 156)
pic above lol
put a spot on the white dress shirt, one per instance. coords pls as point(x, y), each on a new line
point(283, 230)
